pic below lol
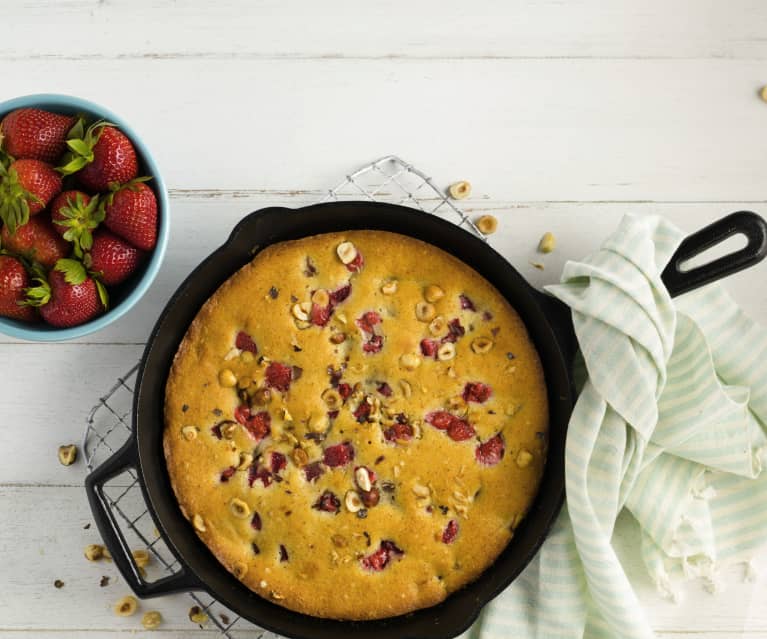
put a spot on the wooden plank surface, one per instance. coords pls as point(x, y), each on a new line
point(526, 130)
point(427, 29)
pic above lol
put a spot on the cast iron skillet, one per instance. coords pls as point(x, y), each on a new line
point(547, 321)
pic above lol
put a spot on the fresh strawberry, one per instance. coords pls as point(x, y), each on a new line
point(26, 188)
point(131, 213)
point(14, 281)
point(35, 134)
point(70, 296)
point(103, 156)
point(75, 214)
point(36, 241)
point(112, 258)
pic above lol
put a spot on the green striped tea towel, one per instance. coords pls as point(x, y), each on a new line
point(669, 423)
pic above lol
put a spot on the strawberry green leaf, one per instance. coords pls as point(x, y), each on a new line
point(74, 271)
point(77, 129)
point(38, 295)
point(72, 165)
point(86, 240)
point(103, 295)
point(81, 148)
point(14, 200)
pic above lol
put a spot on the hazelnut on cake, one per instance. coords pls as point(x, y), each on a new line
point(355, 423)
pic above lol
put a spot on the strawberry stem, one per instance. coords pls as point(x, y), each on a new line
point(80, 152)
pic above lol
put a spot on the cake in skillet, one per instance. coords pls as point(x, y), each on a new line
point(355, 423)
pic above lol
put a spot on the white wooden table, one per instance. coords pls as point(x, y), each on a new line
point(564, 115)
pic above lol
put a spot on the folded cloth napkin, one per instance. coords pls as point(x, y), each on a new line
point(669, 424)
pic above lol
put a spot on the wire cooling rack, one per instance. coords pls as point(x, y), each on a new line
point(109, 423)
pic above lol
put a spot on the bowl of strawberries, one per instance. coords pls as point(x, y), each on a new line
point(83, 217)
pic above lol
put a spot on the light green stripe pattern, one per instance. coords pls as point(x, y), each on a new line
point(669, 423)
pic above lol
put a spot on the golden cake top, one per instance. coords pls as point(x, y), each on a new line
point(355, 424)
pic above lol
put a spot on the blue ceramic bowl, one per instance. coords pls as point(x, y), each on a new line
point(123, 297)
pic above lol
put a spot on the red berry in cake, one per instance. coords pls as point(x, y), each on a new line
point(245, 342)
point(340, 294)
point(450, 532)
point(362, 412)
point(460, 430)
point(255, 522)
point(457, 429)
point(368, 320)
point(355, 266)
point(328, 503)
point(241, 414)
point(279, 462)
point(429, 348)
point(320, 315)
point(384, 389)
point(313, 471)
point(103, 157)
point(26, 188)
point(257, 472)
point(14, 280)
point(338, 455)
point(279, 376)
point(227, 474)
point(112, 258)
point(398, 432)
point(258, 426)
point(379, 559)
point(35, 134)
point(491, 452)
point(131, 213)
point(477, 392)
point(374, 344)
point(36, 241)
point(344, 390)
point(70, 296)
point(440, 419)
point(455, 331)
point(466, 303)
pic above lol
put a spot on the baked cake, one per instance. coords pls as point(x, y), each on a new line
point(355, 424)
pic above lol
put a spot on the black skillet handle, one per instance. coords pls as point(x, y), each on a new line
point(125, 459)
point(744, 222)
